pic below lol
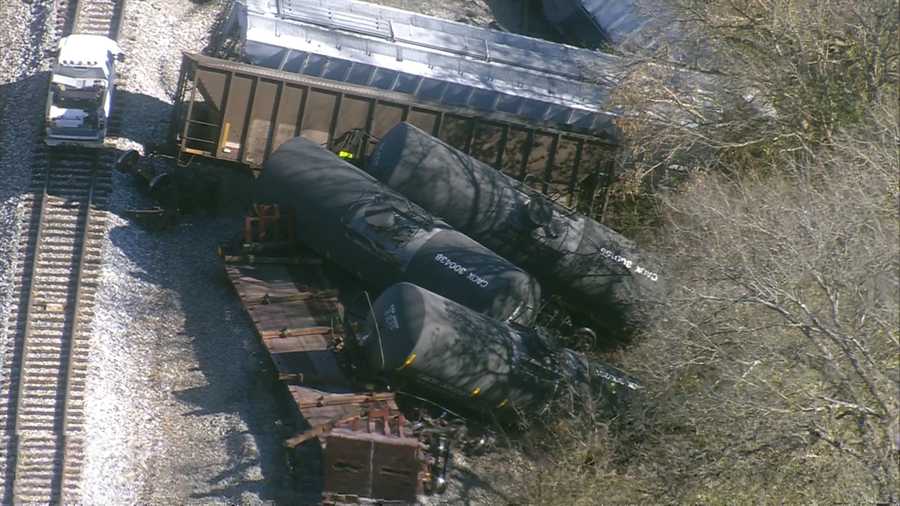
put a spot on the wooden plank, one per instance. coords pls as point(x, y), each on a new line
point(256, 259)
point(279, 338)
point(307, 397)
point(297, 316)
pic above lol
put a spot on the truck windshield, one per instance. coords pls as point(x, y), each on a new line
point(80, 72)
point(77, 99)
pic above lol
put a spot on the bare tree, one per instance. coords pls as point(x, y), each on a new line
point(770, 185)
point(786, 75)
point(781, 340)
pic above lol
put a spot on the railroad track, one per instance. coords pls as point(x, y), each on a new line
point(47, 366)
point(42, 381)
point(98, 17)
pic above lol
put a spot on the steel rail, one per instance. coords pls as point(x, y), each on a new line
point(68, 470)
point(43, 377)
point(46, 438)
point(99, 17)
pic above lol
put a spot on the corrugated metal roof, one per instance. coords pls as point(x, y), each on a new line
point(442, 35)
point(435, 60)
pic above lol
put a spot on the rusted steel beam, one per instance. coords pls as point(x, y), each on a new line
point(551, 161)
point(346, 399)
point(260, 259)
point(336, 114)
point(286, 333)
point(319, 430)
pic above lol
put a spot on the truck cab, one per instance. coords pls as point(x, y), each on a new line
point(81, 88)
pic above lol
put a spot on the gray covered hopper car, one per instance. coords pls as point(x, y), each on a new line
point(451, 353)
point(437, 61)
point(596, 270)
point(383, 238)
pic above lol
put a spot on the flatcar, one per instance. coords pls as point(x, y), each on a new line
point(241, 113)
point(597, 271)
point(381, 237)
point(450, 353)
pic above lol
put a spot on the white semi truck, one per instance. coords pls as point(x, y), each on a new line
point(81, 89)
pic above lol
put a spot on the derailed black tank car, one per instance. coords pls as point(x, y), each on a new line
point(451, 353)
point(597, 271)
point(383, 238)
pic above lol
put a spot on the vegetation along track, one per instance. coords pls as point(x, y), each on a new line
point(42, 381)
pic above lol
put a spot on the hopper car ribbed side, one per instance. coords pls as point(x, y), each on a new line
point(437, 61)
point(241, 113)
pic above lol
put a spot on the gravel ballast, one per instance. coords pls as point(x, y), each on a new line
point(179, 407)
point(24, 33)
point(180, 404)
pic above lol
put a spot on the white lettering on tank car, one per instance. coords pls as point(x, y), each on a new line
point(390, 318)
point(462, 271)
point(629, 264)
point(478, 280)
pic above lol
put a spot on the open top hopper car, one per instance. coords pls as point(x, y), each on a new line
point(241, 113)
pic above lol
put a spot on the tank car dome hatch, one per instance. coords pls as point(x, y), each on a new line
point(381, 237)
point(598, 272)
point(453, 354)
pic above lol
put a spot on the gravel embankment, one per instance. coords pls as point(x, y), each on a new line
point(24, 35)
point(179, 410)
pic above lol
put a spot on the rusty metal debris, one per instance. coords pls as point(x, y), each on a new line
point(370, 449)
